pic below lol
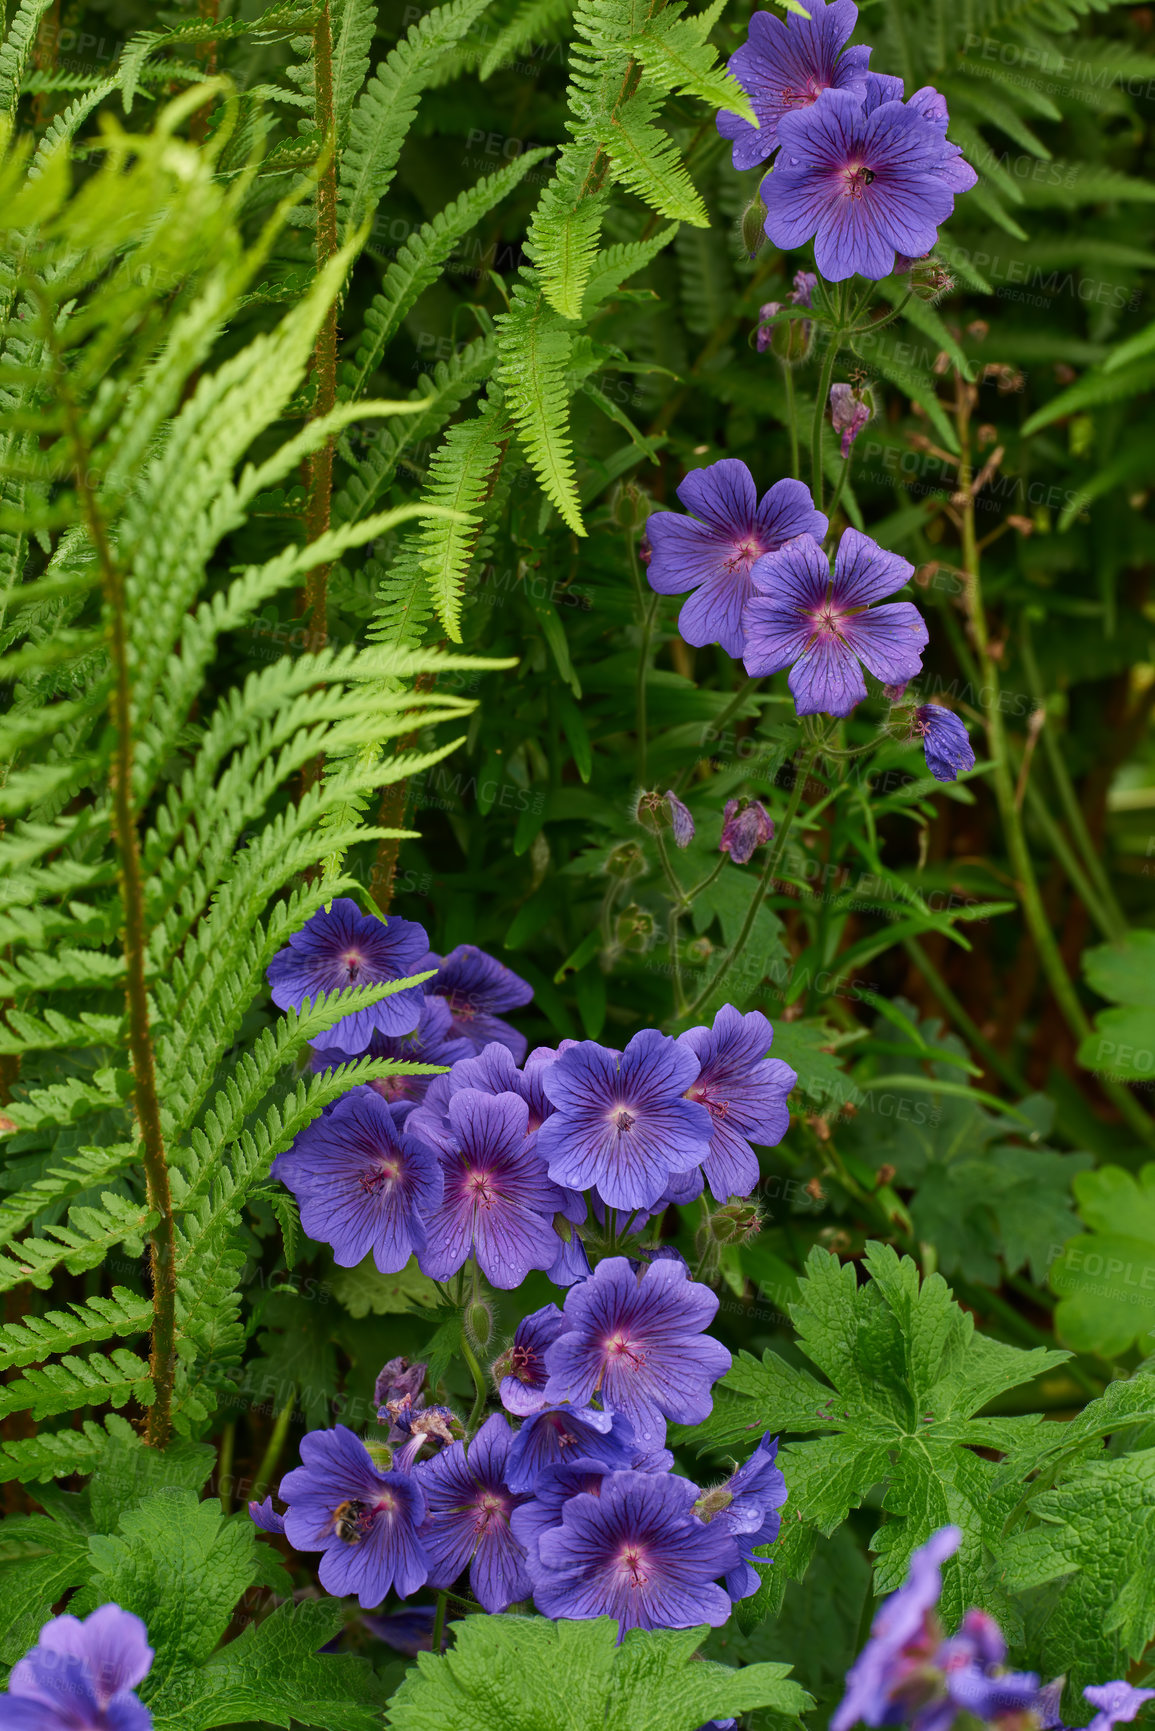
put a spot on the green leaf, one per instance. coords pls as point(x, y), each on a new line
point(535, 356)
point(1106, 1279)
point(652, 1682)
point(274, 1673)
point(1094, 1533)
point(364, 1291)
point(906, 1371)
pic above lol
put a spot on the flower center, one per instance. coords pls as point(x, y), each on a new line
point(745, 553)
point(716, 1108)
point(352, 961)
point(620, 1350)
point(622, 1120)
point(632, 1563)
point(375, 1179)
point(858, 179)
point(491, 1508)
point(827, 619)
point(480, 1189)
point(462, 1009)
point(802, 98)
point(523, 1364)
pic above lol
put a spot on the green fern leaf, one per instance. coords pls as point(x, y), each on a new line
point(77, 1382)
point(18, 41)
point(535, 356)
point(29, 1342)
point(646, 160)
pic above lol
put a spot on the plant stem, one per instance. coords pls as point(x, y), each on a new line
point(1117, 928)
point(319, 465)
point(791, 418)
point(801, 777)
point(646, 613)
point(961, 1019)
point(1046, 944)
point(272, 1454)
point(828, 360)
point(439, 1624)
point(225, 1465)
point(678, 905)
point(162, 1238)
point(480, 1386)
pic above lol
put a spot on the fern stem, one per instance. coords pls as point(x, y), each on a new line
point(319, 466)
point(162, 1239)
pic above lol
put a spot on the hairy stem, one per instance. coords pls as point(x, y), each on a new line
point(162, 1238)
point(768, 875)
point(791, 419)
point(827, 373)
point(480, 1386)
point(678, 905)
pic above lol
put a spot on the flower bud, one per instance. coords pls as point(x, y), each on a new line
point(659, 811)
point(635, 928)
point(479, 1324)
point(790, 339)
point(380, 1454)
point(746, 825)
point(629, 506)
point(736, 1222)
point(754, 227)
point(626, 861)
point(850, 409)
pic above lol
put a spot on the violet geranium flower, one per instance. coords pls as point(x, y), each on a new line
point(362, 1184)
point(556, 1435)
point(862, 185)
point(637, 1340)
point(524, 1376)
point(848, 415)
point(498, 1203)
point(433, 1041)
point(784, 65)
point(621, 1122)
point(903, 1636)
point(476, 987)
point(344, 947)
point(745, 1093)
point(945, 741)
point(635, 1552)
point(747, 1506)
point(468, 1506)
point(712, 551)
point(364, 1520)
point(746, 825)
point(1117, 1703)
point(825, 629)
point(81, 1676)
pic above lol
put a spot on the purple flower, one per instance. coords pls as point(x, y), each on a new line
point(621, 1121)
point(571, 1263)
point(969, 1666)
point(714, 555)
point(956, 174)
point(408, 1631)
point(1118, 1703)
point(362, 1184)
point(468, 1504)
point(344, 947)
point(903, 1638)
point(864, 185)
point(745, 1093)
point(265, 1516)
point(476, 987)
point(398, 1394)
point(80, 1676)
point(784, 66)
point(524, 1375)
point(493, 1070)
point(848, 414)
point(681, 821)
point(364, 1520)
point(557, 1435)
point(746, 824)
point(747, 1506)
point(824, 629)
point(801, 295)
point(554, 1487)
point(945, 742)
point(636, 1553)
point(498, 1204)
point(638, 1342)
point(431, 1042)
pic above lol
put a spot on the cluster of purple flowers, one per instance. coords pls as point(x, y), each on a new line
point(765, 590)
point(507, 1164)
point(576, 1508)
point(911, 1673)
point(865, 174)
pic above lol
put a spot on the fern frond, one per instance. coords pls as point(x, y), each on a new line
point(646, 161)
point(386, 107)
point(18, 41)
point(534, 21)
point(57, 1454)
point(37, 1337)
point(78, 1382)
point(535, 356)
point(564, 234)
point(74, 1175)
point(419, 263)
point(89, 1236)
point(354, 25)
